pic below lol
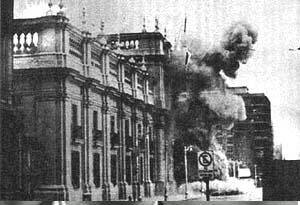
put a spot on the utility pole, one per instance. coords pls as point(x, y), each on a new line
point(186, 175)
point(207, 189)
point(166, 172)
point(186, 149)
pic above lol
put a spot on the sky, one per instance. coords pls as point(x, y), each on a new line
point(273, 68)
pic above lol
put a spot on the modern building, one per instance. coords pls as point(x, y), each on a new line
point(95, 112)
point(251, 141)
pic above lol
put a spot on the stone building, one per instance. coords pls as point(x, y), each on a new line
point(251, 141)
point(95, 110)
point(8, 118)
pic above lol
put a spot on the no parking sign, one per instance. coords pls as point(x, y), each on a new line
point(206, 163)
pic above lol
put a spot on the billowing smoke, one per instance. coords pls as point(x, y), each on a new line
point(236, 47)
point(225, 105)
point(201, 99)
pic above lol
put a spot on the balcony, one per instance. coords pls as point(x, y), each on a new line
point(97, 138)
point(147, 43)
point(76, 134)
point(35, 42)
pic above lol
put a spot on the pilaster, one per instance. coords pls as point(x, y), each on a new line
point(106, 150)
point(147, 183)
point(160, 180)
point(122, 152)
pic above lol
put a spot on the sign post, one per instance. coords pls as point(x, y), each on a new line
point(206, 168)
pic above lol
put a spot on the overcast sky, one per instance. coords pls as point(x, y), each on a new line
point(273, 69)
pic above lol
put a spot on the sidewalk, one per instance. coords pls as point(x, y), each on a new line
point(178, 197)
point(255, 195)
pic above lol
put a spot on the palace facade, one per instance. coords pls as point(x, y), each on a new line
point(95, 112)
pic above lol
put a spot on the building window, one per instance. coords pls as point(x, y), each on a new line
point(140, 137)
point(128, 170)
point(139, 131)
point(128, 137)
point(75, 164)
point(152, 169)
point(114, 137)
point(113, 169)
point(151, 86)
point(95, 120)
point(112, 124)
point(113, 71)
point(151, 141)
point(141, 169)
point(96, 170)
point(140, 82)
point(128, 78)
point(74, 115)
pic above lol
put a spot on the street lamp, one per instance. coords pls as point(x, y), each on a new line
point(166, 172)
point(186, 149)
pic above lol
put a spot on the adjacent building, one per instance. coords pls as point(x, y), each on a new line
point(95, 112)
point(251, 141)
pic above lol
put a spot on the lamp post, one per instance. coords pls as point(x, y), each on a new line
point(189, 148)
point(166, 172)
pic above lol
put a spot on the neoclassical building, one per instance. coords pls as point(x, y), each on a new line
point(95, 112)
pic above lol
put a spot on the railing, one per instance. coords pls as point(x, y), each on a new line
point(148, 41)
point(25, 43)
point(133, 44)
point(32, 34)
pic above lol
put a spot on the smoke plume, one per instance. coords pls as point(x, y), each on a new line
point(200, 97)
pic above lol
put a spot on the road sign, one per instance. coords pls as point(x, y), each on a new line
point(206, 168)
point(206, 164)
point(205, 158)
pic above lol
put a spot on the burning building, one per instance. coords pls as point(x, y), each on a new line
point(100, 113)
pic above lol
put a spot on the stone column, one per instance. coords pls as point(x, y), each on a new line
point(106, 151)
point(160, 158)
point(147, 183)
point(122, 153)
point(85, 118)
point(6, 51)
point(86, 150)
point(134, 83)
point(6, 64)
point(135, 155)
point(121, 75)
